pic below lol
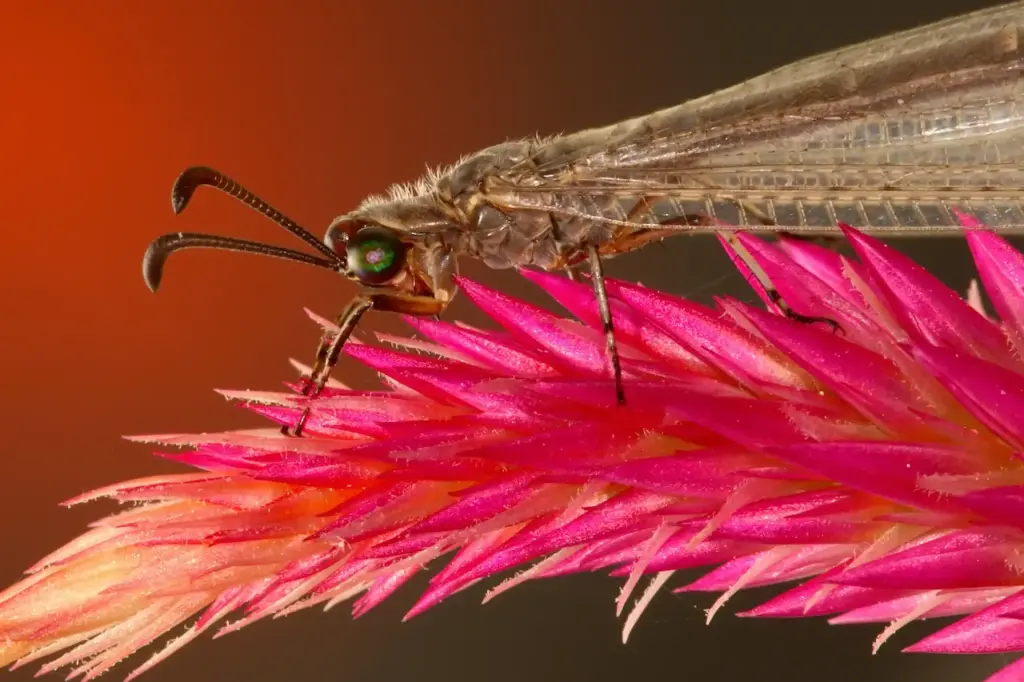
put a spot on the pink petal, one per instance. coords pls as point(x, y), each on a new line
point(564, 342)
point(501, 354)
point(813, 599)
point(710, 336)
point(867, 380)
point(480, 503)
point(925, 306)
point(959, 560)
point(803, 290)
point(1001, 268)
point(631, 325)
point(956, 605)
point(987, 631)
point(890, 470)
point(990, 392)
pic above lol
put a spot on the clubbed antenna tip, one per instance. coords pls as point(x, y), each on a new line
point(153, 264)
point(185, 185)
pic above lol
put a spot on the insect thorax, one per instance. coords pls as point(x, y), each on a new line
point(501, 233)
point(459, 208)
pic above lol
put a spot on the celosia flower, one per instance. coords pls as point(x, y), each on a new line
point(878, 467)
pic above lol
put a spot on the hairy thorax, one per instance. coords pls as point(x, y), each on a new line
point(484, 207)
point(501, 233)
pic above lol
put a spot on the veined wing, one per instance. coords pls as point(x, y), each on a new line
point(889, 134)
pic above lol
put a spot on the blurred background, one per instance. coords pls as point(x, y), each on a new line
point(313, 105)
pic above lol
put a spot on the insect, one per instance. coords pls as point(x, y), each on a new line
point(889, 136)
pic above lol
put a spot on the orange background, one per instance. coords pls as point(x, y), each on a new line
point(313, 105)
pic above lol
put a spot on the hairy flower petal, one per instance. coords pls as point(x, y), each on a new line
point(875, 466)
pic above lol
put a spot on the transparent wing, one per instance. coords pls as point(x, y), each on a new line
point(889, 134)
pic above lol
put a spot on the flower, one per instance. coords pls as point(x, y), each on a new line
point(878, 467)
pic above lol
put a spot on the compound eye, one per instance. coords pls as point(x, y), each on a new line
point(375, 255)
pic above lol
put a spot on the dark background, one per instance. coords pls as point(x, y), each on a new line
point(313, 105)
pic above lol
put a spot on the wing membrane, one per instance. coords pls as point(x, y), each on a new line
point(892, 133)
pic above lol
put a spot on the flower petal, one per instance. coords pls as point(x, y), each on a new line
point(926, 308)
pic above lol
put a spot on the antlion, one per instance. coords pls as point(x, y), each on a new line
point(890, 136)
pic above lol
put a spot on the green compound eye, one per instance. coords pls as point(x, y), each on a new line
point(375, 255)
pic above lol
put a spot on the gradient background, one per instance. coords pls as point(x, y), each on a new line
point(313, 105)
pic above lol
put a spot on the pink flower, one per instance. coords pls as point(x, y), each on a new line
point(879, 468)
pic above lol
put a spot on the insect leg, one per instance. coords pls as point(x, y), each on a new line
point(828, 241)
point(769, 289)
point(329, 350)
point(643, 205)
point(597, 275)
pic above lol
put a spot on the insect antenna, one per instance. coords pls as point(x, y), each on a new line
point(181, 193)
point(162, 247)
point(198, 176)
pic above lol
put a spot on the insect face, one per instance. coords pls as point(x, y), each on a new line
point(410, 277)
